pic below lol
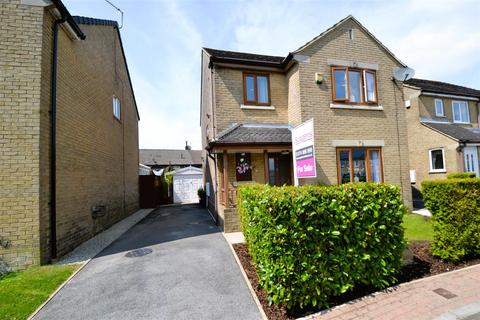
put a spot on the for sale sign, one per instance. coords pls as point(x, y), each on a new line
point(303, 150)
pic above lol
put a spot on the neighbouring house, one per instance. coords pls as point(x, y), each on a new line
point(158, 159)
point(184, 167)
point(68, 131)
point(443, 130)
point(342, 79)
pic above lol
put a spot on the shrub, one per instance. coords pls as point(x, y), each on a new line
point(455, 208)
point(313, 242)
point(202, 196)
point(461, 175)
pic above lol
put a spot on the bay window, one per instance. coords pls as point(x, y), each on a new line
point(353, 85)
point(359, 165)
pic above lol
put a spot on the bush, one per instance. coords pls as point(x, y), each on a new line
point(455, 208)
point(313, 242)
point(202, 196)
point(461, 175)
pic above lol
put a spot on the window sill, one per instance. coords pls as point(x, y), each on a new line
point(459, 122)
point(437, 171)
point(355, 107)
point(254, 107)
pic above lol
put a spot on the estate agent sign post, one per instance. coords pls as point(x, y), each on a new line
point(303, 151)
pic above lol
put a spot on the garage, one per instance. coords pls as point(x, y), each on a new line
point(186, 182)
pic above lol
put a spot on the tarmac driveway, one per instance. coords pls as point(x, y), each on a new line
point(183, 270)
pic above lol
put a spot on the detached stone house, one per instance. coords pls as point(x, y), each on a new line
point(443, 130)
point(68, 131)
point(342, 79)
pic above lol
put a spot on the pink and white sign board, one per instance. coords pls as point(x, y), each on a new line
point(303, 150)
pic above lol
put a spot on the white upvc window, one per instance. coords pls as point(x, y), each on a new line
point(437, 160)
point(439, 112)
point(116, 107)
point(460, 111)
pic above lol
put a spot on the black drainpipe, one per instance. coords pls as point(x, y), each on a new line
point(53, 143)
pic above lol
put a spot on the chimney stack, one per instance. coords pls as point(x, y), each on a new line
point(187, 147)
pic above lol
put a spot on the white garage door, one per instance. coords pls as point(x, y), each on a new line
point(185, 188)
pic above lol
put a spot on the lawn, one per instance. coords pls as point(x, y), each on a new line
point(23, 292)
point(417, 227)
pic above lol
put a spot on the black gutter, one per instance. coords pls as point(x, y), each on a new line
point(66, 16)
point(53, 143)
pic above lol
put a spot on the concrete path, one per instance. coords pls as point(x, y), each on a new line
point(450, 296)
point(174, 264)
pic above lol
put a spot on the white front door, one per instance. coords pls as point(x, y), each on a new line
point(470, 155)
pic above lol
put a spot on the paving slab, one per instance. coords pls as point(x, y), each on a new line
point(453, 295)
point(174, 264)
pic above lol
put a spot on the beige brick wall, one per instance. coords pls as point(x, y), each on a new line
point(426, 105)
point(388, 125)
point(421, 139)
point(229, 96)
point(97, 155)
point(294, 103)
point(20, 74)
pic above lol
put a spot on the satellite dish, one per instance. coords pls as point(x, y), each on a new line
point(403, 74)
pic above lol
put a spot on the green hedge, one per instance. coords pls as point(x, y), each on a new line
point(314, 242)
point(455, 208)
point(461, 175)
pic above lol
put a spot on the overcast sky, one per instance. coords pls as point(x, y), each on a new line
point(440, 39)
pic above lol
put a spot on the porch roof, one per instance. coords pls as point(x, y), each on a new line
point(254, 134)
point(455, 131)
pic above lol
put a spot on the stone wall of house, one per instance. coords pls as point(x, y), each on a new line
point(20, 74)
point(421, 139)
point(229, 97)
point(426, 105)
point(355, 126)
point(97, 154)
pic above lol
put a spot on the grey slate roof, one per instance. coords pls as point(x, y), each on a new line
point(243, 56)
point(455, 131)
point(256, 134)
point(95, 21)
point(165, 157)
point(443, 87)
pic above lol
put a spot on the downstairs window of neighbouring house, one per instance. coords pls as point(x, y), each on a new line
point(355, 86)
point(359, 165)
point(256, 89)
point(437, 160)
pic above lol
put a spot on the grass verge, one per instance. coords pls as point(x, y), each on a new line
point(22, 292)
point(417, 228)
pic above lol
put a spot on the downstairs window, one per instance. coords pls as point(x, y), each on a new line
point(359, 165)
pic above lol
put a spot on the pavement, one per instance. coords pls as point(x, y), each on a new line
point(453, 295)
point(173, 264)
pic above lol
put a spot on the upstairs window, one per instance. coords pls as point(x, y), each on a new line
point(116, 107)
point(352, 85)
point(439, 112)
point(460, 112)
point(256, 89)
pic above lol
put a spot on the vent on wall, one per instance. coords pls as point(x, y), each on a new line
point(350, 34)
